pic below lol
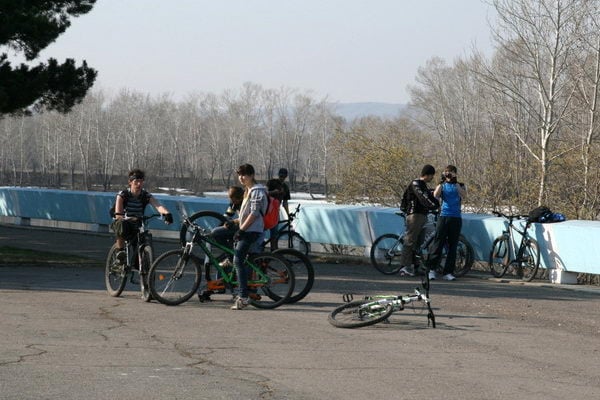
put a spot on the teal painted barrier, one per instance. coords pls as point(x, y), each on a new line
point(566, 246)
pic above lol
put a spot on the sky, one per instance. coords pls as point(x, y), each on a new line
point(342, 50)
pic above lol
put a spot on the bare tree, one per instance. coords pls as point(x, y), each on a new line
point(536, 41)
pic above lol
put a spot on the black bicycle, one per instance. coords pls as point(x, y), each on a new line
point(287, 237)
point(386, 250)
point(139, 256)
point(525, 261)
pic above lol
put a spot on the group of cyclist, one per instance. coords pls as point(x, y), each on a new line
point(420, 200)
point(249, 202)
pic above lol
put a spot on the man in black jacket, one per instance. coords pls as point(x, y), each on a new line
point(420, 202)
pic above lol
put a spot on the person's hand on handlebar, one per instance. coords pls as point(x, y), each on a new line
point(168, 217)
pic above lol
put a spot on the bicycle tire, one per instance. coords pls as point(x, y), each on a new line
point(281, 281)
point(385, 254)
point(304, 273)
point(147, 258)
point(297, 242)
point(531, 257)
point(174, 277)
point(464, 257)
point(498, 261)
point(352, 315)
point(205, 219)
point(115, 273)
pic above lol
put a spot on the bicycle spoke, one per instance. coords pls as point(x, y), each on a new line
point(174, 278)
point(386, 253)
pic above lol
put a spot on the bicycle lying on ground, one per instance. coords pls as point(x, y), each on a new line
point(526, 259)
point(377, 308)
point(139, 255)
point(304, 273)
point(386, 250)
point(175, 276)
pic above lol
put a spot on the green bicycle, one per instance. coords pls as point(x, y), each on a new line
point(175, 276)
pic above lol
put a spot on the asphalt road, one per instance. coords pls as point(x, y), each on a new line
point(63, 337)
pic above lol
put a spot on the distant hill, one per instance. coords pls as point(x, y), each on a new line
point(352, 111)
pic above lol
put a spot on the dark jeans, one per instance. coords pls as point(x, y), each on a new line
point(224, 235)
point(247, 239)
point(447, 231)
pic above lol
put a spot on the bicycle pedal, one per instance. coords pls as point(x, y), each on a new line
point(254, 296)
point(204, 296)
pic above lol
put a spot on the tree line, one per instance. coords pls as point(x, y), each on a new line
point(521, 125)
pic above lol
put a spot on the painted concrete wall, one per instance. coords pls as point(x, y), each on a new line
point(568, 246)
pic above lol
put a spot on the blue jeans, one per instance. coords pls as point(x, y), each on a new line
point(242, 247)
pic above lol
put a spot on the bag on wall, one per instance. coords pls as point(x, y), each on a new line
point(544, 215)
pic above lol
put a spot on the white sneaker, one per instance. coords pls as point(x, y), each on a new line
point(406, 271)
point(448, 277)
point(432, 275)
point(239, 303)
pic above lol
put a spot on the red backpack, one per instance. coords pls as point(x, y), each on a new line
point(271, 217)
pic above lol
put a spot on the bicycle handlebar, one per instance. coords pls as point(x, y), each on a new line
point(292, 215)
point(510, 217)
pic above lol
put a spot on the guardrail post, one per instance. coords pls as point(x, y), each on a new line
point(23, 221)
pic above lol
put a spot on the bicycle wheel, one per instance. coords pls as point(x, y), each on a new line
point(297, 242)
point(385, 253)
point(464, 257)
point(359, 313)
point(530, 260)
point(174, 277)
point(498, 261)
point(147, 258)
point(304, 273)
point(205, 219)
point(280, 286)
point(115, 273)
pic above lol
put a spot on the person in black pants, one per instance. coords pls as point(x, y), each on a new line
point(449, 224)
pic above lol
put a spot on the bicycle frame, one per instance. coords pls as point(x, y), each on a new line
point(377, 308)
point(286, 228)
point(202, 239)
point(509, 233)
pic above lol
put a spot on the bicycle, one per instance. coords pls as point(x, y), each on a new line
point(526, 260)
point(287, 237)
point(386, 250)
point(139, 255)
point(374, 309)
point(303, 269)
point(175, 276)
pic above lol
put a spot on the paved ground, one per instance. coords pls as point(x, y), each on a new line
point(63, 337)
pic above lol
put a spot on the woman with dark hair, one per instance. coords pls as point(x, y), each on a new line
point(450, 193)
point(254, 206)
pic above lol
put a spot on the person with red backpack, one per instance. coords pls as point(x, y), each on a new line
point(252, 210)
point(278, 189)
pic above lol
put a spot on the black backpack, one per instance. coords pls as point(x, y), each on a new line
point(540, 214)
point(405, 202)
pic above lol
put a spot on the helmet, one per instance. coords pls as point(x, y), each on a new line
point(283, 172)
